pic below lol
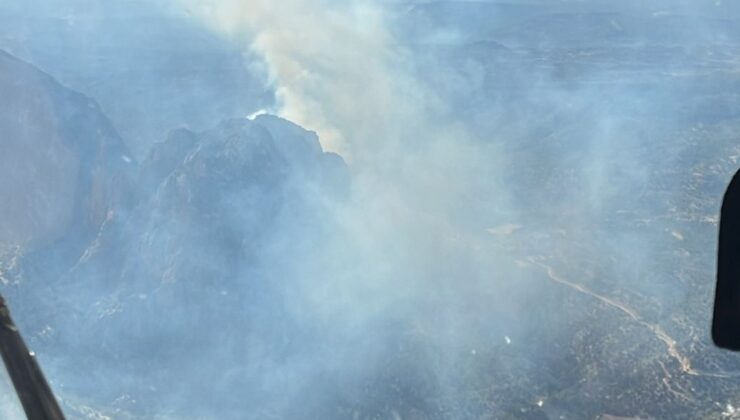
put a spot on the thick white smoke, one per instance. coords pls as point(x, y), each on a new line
point(336, 69)
point(403, 252)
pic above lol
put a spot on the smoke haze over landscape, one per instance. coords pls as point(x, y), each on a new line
point(368, 209)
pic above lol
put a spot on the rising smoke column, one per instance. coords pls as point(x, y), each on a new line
point(402, 256)
point(339, 69)
point(335, 66)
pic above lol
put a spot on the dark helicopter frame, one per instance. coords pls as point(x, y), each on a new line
point(726, 320)
point(34, 393)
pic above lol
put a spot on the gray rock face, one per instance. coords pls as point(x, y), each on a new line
point(196, 256)
point(192, 237)
point(59, 158)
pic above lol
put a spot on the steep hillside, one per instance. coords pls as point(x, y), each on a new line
point(61, 161)
point(199, 258)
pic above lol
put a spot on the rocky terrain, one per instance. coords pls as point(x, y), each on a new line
point(62, 161)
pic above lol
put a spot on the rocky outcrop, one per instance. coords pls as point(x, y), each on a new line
point(63, 165)
point(203, 249)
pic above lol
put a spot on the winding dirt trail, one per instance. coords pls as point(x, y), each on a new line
point(659, 332)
